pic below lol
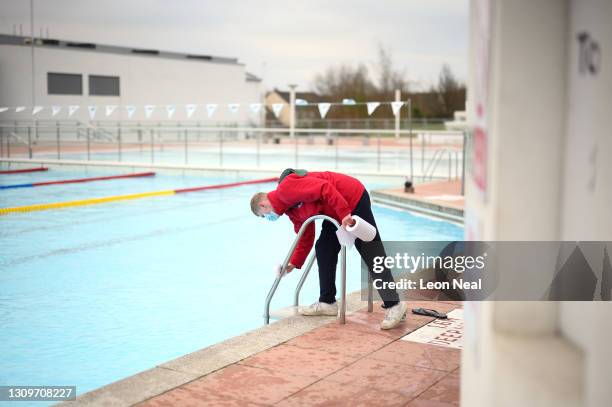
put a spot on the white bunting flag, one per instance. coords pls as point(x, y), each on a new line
point(110, 109)
point(190, 109)
point(233, 107)
point(72, 109)
point(301, 102)
point(277, 108)
point(210, 109)
point(36, 110)
point(92, 111)
point(130, 111)
point(255, 107)
point(3, 109)
point(396, 106)
point(19, 109)
point(348, 102)
point(55, 110)
point(170, 109)
point(323, 109)
point(372, 106)
point(149, 110)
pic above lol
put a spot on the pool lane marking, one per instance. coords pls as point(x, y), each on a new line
point(24, 170)
point(95, 201)
point(77, 180)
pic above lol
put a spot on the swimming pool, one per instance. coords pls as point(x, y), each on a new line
point(92, 294)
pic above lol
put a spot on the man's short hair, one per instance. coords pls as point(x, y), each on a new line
point(255, 200)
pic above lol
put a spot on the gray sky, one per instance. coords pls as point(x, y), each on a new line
point(281, 41)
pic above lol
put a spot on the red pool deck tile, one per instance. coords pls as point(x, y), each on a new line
point(421, 355)
point(289, 359)
point(355, 364)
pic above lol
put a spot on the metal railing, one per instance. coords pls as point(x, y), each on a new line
point(172, 142)
point(309, 263)
point(435, 161)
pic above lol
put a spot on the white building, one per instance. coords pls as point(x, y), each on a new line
point(85, 74)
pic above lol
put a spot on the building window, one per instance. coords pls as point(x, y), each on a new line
point(103, 85)
point(64, 83)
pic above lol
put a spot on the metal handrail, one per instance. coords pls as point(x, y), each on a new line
point(342, 316)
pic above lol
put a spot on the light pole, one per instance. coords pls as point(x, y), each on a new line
point(292, 110)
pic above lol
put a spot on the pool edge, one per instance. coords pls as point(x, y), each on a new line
point(184, 369)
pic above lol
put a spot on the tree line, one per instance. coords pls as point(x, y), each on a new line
point(354, 82)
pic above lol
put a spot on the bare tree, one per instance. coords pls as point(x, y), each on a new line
point(389, 79)
point(451, 93)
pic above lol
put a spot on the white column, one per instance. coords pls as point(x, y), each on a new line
point(292, 110)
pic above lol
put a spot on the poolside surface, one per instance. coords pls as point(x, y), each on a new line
point(340, 365)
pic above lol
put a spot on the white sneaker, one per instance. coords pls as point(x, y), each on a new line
point(394, 316)
point(320, 308)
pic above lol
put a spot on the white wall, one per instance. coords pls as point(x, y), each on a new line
point(549, 177)
point(144, 80)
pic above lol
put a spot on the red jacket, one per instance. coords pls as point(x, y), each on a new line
point(328, 193)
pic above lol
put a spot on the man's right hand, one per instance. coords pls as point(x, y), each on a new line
point(289, 268)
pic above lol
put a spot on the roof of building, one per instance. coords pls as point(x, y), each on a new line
point(112, 49)
point(252, 78)
point(308, 96)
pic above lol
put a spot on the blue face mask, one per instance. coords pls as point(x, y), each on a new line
point(271, 216)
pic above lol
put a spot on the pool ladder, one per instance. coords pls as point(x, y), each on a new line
point(311, 258)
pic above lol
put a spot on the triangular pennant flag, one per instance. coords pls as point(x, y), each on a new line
point(110, 109)
point(372, 106)
point(396, 106)
point(190, 109)
point(36, 110)
point(210, 109)
point(277, 108)
point(92, 111)
point(348, 102)
point(149, 110)
point(323, 109)
point(19, 109)
point(130, 111)
point(233, 107)
point(301, 102)
point(72, 109)
point(255, 107)
point(170, 109)
point(3, 109)
point(55, 110)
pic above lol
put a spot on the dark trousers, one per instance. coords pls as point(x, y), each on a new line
point(328, 247)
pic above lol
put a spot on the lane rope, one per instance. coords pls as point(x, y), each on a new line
point(77, 180)
point(95, 201)
point(24, 170)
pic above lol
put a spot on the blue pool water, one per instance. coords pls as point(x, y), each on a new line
point(92, 294)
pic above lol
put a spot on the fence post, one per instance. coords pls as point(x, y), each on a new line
point(186, 146)
point(336, 141)
point(422, 154)
point(152, 132)
point(30, 141)
point(57, 135)
point(119, 140)
point(410, 137)
point(259, 133)
point(221, 150)
point(87, 143)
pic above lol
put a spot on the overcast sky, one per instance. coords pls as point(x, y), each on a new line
point(281, 41)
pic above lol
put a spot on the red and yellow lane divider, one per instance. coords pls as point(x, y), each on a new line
point(95, 201)
point(24, 170)
point(77, 180)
